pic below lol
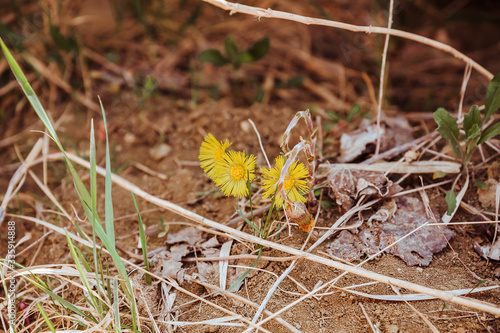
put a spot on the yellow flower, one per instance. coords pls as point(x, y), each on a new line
point(232, 172)
point(294, 185)
point(211, 152)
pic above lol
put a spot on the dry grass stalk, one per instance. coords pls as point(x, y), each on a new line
point(382, 77)
point(374, 329)
point(18, 178)
point(269, 13)
point(416, 167)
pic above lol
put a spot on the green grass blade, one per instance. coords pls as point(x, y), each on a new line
point(108, 202)
point(47, 320)
point(79, 185)
point(83, 276)
point(116, 306)
point(143, 240)
point(250, 223)
point(30, 94)
point(241, 278)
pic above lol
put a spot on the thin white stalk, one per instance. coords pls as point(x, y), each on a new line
point(260, 142)
point(382, 76)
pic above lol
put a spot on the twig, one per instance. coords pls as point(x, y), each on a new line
point(269, 13)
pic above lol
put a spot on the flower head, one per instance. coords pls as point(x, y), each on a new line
point(211, 152)
point(295, 184)
point(232, 173)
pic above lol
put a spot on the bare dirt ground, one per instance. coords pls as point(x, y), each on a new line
point(192, 99)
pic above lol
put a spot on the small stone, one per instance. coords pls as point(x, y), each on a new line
point(129, 138)
point(460, 330)
point(159, 151)
point(420, 269)
point(245, 126)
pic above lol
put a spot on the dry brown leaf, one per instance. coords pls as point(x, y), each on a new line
point(192, 236)
point(487, 196)
point(416, 249)
point(393, 132)
point(346, 185)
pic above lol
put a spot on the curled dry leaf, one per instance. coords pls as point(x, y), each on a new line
point(487, 196)
point(346, 185)
point(416, 249)
point(179, 245)
point(393, 132)
point(488, 251)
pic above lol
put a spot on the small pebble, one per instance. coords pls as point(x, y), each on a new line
point(129, 138)
point(245, 126)
point(159, 151)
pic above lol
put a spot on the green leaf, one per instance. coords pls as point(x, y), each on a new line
point(489, 133)
point(293, 82)
point(451, 200)
point(492, 102)
point(256, 52)
point(480, 185)
point(65, 43)
point(471, 118)
point(448, 128)
point(213, 56)
point(353, 112)
point(471, 142)
point(231, 48)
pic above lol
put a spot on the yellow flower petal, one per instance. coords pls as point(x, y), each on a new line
point(232, 173)
point(211, 152)
point(295, 184)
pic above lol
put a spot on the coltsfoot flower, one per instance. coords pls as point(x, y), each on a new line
point(295, 184)
point(211, 152)
point(232, 173)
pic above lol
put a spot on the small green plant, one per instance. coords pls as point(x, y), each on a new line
point(474, 132)
point(256, 52)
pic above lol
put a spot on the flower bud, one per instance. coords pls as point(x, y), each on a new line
point(297, 212)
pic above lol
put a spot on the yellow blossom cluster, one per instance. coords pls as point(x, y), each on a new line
point(232, 170)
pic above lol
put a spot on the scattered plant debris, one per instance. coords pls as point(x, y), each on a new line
point(416, 249)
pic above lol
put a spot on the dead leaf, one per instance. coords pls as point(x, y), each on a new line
point(416, 249)
point(488, 251)
point(393, 132)
point(186, 235)
point(347, 185)
point(487, 196)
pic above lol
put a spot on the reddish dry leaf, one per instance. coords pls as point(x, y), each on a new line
point(416, 249)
